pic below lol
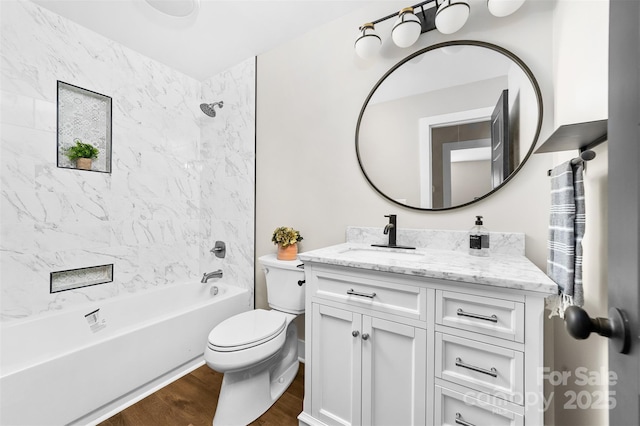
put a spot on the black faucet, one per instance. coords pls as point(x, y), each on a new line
point(391, 229)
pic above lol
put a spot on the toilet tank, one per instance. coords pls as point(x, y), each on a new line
point(285, 283)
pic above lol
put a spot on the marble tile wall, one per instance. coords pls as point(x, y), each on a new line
point(227, 189)
point(147, 217)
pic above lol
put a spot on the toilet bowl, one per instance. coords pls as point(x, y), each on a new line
point(246, 339)
point(257, 351)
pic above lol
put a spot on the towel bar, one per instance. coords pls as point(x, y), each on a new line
point(586, 155)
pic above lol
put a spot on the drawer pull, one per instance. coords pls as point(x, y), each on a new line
point(365, 336)
point(355, 333)
point(493, 372)
point(460, 421)
point(492, 318)
point(356, 293)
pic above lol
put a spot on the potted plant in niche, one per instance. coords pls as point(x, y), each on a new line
point(287, 240)
point(82, 154)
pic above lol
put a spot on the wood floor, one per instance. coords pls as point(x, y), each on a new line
point(191, 401)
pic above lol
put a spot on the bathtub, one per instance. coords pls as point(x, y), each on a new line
point(82, 365)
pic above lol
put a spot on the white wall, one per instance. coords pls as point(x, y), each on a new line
point(468, 180)
point(581, 60)
point(310, 92)
point(146, 216)
point(581, 94)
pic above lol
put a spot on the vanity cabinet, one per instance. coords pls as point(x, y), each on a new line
point(386, 348)
point(368, 370)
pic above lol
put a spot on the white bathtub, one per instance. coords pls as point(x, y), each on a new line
point(80, 366)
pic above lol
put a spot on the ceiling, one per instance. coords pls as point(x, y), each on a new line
point(222, 33)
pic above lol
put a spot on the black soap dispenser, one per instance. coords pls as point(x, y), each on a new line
point(479, 239)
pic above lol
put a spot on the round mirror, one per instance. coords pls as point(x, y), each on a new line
point(449, 125)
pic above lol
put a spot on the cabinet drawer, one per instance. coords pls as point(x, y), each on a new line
point(485, 315)
point(487, 368)
point(454, 408)
point(375, 294)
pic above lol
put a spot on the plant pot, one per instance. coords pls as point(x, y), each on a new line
point(83, 163)
point(288, 252)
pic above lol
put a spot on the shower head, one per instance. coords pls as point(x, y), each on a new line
point(208, 108)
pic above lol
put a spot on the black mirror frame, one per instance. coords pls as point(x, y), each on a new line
point(498, 49)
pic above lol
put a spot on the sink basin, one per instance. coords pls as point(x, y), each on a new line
point(377, 254)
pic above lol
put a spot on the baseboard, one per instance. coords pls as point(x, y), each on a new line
point(300, 350)
point(305, 419)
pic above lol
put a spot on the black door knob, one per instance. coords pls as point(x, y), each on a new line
point(616, 327)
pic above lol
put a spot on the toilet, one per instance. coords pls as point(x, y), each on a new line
point(257, 351)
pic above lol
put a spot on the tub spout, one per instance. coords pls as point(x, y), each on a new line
point(214, 274)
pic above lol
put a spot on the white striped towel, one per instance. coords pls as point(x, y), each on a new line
point(566, 230)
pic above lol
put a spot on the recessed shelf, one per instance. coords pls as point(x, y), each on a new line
point(580, 136)
point(85, 116)
point(81, 277)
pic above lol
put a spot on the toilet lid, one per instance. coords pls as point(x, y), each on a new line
point(246, 330)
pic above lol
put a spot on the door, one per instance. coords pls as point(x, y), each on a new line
point(393, 373)
point(624, 202)
point(336, 353)
point(500, 167)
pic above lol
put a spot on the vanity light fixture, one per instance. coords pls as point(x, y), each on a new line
point(407, 28)
point(452, 15)
point(368, 44)
point(501, 8)
point(176, 8)
point(447, 16)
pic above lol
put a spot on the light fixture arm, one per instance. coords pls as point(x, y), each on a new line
point(427, 18)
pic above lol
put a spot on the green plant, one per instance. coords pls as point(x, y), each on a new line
point(286, 236)
point(82, 150)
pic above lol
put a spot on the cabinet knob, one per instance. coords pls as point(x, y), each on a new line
point(355, 333)
point(365, 336)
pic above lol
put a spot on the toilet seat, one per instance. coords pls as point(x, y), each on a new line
point(246, 330)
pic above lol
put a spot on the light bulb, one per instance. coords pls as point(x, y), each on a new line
point(452, 15)
point(368, 43)
point(177, 8)
point(502, 8)
point(406, 29)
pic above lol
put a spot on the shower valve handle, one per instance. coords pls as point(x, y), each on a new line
point(220, 249)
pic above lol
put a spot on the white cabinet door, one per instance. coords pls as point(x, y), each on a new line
point(393, 373)
point(336, 370)
point(366, 370)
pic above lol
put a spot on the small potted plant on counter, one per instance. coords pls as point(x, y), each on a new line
point(82, 154)
point(287, 240)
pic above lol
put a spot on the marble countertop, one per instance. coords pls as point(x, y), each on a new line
point(497, 270)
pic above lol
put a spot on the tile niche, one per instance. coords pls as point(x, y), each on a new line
point(84, 116)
